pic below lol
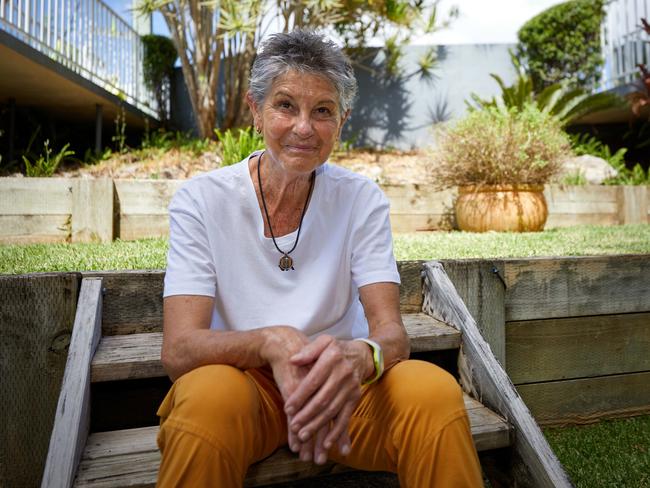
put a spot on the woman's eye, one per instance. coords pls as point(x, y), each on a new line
point(323, 111)
point(285, 105)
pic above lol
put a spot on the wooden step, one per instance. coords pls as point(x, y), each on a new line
point(131, 458)
point(135, 356)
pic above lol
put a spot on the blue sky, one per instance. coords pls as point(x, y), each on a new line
point(480, 21)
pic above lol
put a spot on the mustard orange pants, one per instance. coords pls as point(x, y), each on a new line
point(217, 420)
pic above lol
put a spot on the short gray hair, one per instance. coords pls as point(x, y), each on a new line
point(305, 52)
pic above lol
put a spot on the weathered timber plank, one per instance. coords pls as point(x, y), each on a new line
point(581, 347)
point(35, 196)
point(145, 197)
point(633, 204)
point(133, 299)
point(582, 194)
point(92, 210)
point(132, 302)
point(556, 220)
point(429, 334)
point(135, 356)
point(28, 229)
point(587, 400)
point(143, 226)
point(419, 199)
point(410, 291)
point(421, 222)
point(36, 316)
point(129, 356)
point(130, 457)
point(540, 288)
point(480, 286)
point(140, 226)
point(533, 461)
point(72, 418)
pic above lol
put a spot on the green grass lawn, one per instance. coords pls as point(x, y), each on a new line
point(151, 253)
point(609, 454)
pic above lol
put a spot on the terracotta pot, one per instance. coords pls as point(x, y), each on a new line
point(516, 208)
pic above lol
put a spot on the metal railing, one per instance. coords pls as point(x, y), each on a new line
point(87, 37)
point(625, 44)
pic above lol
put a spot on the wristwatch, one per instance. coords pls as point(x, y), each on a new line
point(377, 359)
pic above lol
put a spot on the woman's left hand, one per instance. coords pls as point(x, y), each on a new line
point(327, 396)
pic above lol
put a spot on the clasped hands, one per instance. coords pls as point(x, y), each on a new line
point(320, 384)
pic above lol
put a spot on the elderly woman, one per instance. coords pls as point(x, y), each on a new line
point(281, 309)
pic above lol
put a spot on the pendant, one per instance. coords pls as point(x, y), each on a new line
point(286, 263)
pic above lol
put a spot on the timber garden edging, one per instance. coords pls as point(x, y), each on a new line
point(103, 209)
point(572, 333)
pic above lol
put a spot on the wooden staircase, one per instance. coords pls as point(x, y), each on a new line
point(112, 350)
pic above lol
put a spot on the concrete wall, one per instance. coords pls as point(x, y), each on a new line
point(400, 112)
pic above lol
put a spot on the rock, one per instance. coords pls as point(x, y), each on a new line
point(594, 169)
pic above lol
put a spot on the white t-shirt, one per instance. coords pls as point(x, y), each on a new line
point(217, 248)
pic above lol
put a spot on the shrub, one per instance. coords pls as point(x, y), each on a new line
point(563, 43)
point(497, 147)
point(45, 164)
point(157, 66)
point(236, 145)
point(564, 103)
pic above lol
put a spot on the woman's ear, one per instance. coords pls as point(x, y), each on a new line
point(252, 105)
point(344, 119)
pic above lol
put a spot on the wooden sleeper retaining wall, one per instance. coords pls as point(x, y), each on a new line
point(87, 210)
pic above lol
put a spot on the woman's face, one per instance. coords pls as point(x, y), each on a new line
point(300, 121)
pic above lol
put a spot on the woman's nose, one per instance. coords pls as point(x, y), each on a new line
point(303, 126)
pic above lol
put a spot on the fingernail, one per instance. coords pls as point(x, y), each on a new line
point(304, 435)
point(294, 447)
point(345, 450)
point(305, 456)
point(327, 444)
point(321, 459)
point(290, 410)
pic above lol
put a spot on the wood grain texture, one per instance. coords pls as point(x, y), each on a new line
point(582, 347)
point(145, 197)
point(410, 291)
point(480, 286)
point(92, 210)
point(419, 199)
point(72, 418)
point(135, 356)
point(541, 288)
point(143, 226)
point(30, 229)
point(587, 400)
point(556, 220)
point(584, 195)
point(35, 196)
point(429, 334)
point(36, 316)
point(533, 462)
point(133, 301)
point(421, 222)
point(130, 457)
point(633, 204)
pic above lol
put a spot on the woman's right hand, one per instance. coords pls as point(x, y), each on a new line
point(281, 343)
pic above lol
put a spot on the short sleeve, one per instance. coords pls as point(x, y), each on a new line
point(372, 242)
point(190, 267)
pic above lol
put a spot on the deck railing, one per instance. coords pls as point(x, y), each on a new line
point(87, 37)
point(625, 43)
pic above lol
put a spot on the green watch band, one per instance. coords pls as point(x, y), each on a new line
point(377, 359)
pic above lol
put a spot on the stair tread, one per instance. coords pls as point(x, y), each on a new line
point(134, 356)
point(130, 457)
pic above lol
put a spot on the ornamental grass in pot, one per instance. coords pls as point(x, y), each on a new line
point(500, 160)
